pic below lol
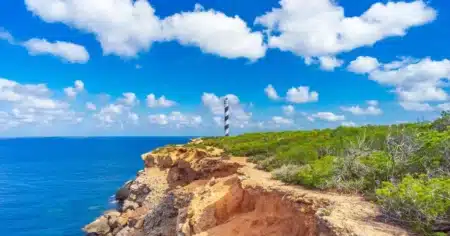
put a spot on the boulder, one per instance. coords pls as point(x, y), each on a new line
point(100, 227)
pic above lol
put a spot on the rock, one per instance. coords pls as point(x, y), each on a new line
point(122, 220)
point(129, 205)
point(117, 230)
point(112, 213)
point(126, 231)
point(112, 221)
point(162, 219)
point(139, 224)
point(123, 193)
point(100, 227)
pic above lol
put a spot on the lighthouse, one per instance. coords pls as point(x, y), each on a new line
point(226, 117)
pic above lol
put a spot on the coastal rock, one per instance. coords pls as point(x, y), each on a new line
point(123, 192)
point(100, 227)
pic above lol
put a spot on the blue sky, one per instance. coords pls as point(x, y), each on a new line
point(122, 67)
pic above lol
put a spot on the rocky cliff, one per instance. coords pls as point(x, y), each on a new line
point(186, 191)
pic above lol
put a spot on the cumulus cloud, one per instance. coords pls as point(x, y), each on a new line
point(176, 119)
point(416, 106)
point(288, 110)
point(372, 109)
point(415, 81)
point(129, 99)
point(74, 91)
point(301, 95)
point(67, 51)
point(327, 63)
point(271, 92)
point(154, 102)
point(328, 116)
point(363, 64)
point(5, 35)
point(160, 119)
point(320, 27)
point(214, 32)
point(125, 27)
point(133, 117)
point(348, 124)
point(91, 106)
point(282, 121)
point(24, 104)
point(443, 106)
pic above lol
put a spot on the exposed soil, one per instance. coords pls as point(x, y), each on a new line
point(197, 192)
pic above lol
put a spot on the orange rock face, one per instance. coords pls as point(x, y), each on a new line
point(186, 191)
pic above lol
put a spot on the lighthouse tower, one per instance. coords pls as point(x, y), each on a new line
point(227, 117)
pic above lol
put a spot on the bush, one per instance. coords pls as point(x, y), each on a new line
point(421, 203)
point(318, 173)
point(286, 173)
point(379, 167)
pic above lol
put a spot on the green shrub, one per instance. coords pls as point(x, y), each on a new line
point(419, 202)
point(269, 164)
point(299, 155)
point(379, 167)
point(318, 173)
point(286, 173)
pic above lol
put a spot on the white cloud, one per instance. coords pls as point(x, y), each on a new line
point(129, 99)
point(416, 106)
point(271, 92)
point(73, 91)
point(415, 81)
point(301, 95)
point(372, 109)
point(79, 85)
point(160, 119)
point(282, 121)
point(70, 92)
point(214, 32)
point(288, 110)
point(348, 124)
point(154, 102)
point(320, 27)
point(329, 63)
point(372, 103)
point(111, 114)
point(363, 64)
point(122, 27)
point(176, 119)
point(328, 116)
point(444, 106)
point(91, 106)
point(125, 27)
point(31, 104)
point(133, 117)
point(5, 35)
point(422, 93)
point(67, 51)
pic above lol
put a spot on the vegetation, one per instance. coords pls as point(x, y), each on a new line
point(405, 168)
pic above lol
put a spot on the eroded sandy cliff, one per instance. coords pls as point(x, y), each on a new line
point(186, 191)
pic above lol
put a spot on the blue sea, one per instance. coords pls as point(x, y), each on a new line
point(54, 186)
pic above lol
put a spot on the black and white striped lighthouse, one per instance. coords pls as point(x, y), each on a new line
point(227, 117)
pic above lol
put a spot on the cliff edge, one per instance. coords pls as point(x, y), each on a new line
point(186, 191)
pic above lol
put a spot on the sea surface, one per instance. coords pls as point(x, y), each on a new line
point(54, 186)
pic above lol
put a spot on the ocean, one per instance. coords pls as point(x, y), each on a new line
point(54, 186)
